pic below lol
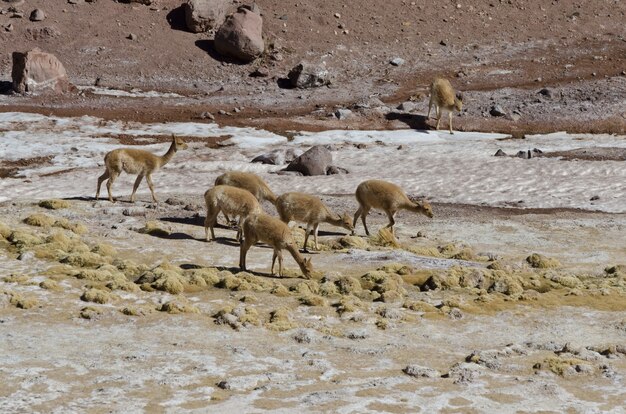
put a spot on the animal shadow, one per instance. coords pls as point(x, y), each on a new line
point(6, 88)
point(208, 45)
point(413, 121)
point(192, 221)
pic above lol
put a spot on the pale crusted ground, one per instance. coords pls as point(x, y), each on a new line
point(481, 341)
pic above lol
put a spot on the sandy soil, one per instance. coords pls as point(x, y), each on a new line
point(511, 299)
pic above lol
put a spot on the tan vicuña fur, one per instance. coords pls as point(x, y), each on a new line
point(386, 196)
point(247, 181)
point(311, 210)
point(230, 200)
point(442, 96)
point(135, 161)
point(270, 230)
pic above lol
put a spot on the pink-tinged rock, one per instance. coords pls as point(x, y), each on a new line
point(36, 71)
point(241, 36)
point(204, 15)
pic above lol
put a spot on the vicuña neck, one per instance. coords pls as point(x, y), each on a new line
point(165, 158)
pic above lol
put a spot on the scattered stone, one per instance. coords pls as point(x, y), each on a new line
point(306, 75)
point(594, 198)
point(261, 72)
point(496, 110)
point(397, 61)
point(537, 151)
point(277, 157)
point(524, 154)
point(462, 373)
point(419, 371)
point(343, 113)
point(499, 153)
point(132, 36)
point(36, 71)
point(407, 106)
point(333, 169)
point(205, 15)
point(546, 92)
point(37, 15)
point(357, 334)
point(315, 161)
point(241, 36)
point(207, 115)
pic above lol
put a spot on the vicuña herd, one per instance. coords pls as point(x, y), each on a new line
point(239, 194)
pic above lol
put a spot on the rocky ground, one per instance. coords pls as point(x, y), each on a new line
point(482, 309)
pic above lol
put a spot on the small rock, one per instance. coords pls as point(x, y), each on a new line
point(407, 106)
point(594, 198)
point(419, 371)
point(343, 113)
point(546, 92)
point(397, 61)
point(37, 15)
point(72, 1)
point(132, 36)
point(26, 255)
point(361, 146)
point(333, 169)
point(537, 151)
point(496, 110)
point(222, 112)
point(9, 27)
point(207, 115)
point(261, 72)
point(223, 385)
point(499, 153)
point(524, 154)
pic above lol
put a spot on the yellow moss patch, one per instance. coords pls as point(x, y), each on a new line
point(178, 306)
point(349, 242)
point(154, 228)
point(23, 302)
point(328, 288)
point(382, 282)
point(569, 281)
point(419, 306)
point(210, 276)
point(39, 220)
point(104, 273)
point(313, 300)
point(96, 295)
point(306, 288)
point(77, 228)
point(348, 304)
point(280, 320)
point(398, 268)
point(131, 269)
point(165, 277)
point(50, 284)
point(464, 254)
point(54, 204)
point(87, 259)
point(22, 239)
point(539, 261)
point(424, 251)
point(19, 279)
point(89, 312)
point(348, 285)
point(278, 289)
point(385, 238)
point(4, 230)
point(135, 311)
point(236, 317)
point(104, 249)
point(562, 365)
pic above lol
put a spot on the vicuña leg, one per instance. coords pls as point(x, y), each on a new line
point(149, 180)
point(112, 177)
point(100, 181)
point(135, 186)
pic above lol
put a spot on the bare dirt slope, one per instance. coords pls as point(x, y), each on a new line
point(501, 51)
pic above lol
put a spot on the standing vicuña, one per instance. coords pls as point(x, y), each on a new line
point(270, 230)
point(230, 200)
point(135, 161)
point(388, 197)
point(442, 96)
point(310, 210)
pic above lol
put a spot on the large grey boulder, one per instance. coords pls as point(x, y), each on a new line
point(241, 36)
point(36, 71)
point(204, 15)
point(315, 161)
point(307, 75)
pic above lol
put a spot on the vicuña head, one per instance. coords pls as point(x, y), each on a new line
point(442, 96)
point(136, 161)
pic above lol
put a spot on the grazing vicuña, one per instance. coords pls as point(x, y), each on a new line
point(442, 96)
point(386, 196)
point(230, 200)
point(310, 210)
point(270, 230)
